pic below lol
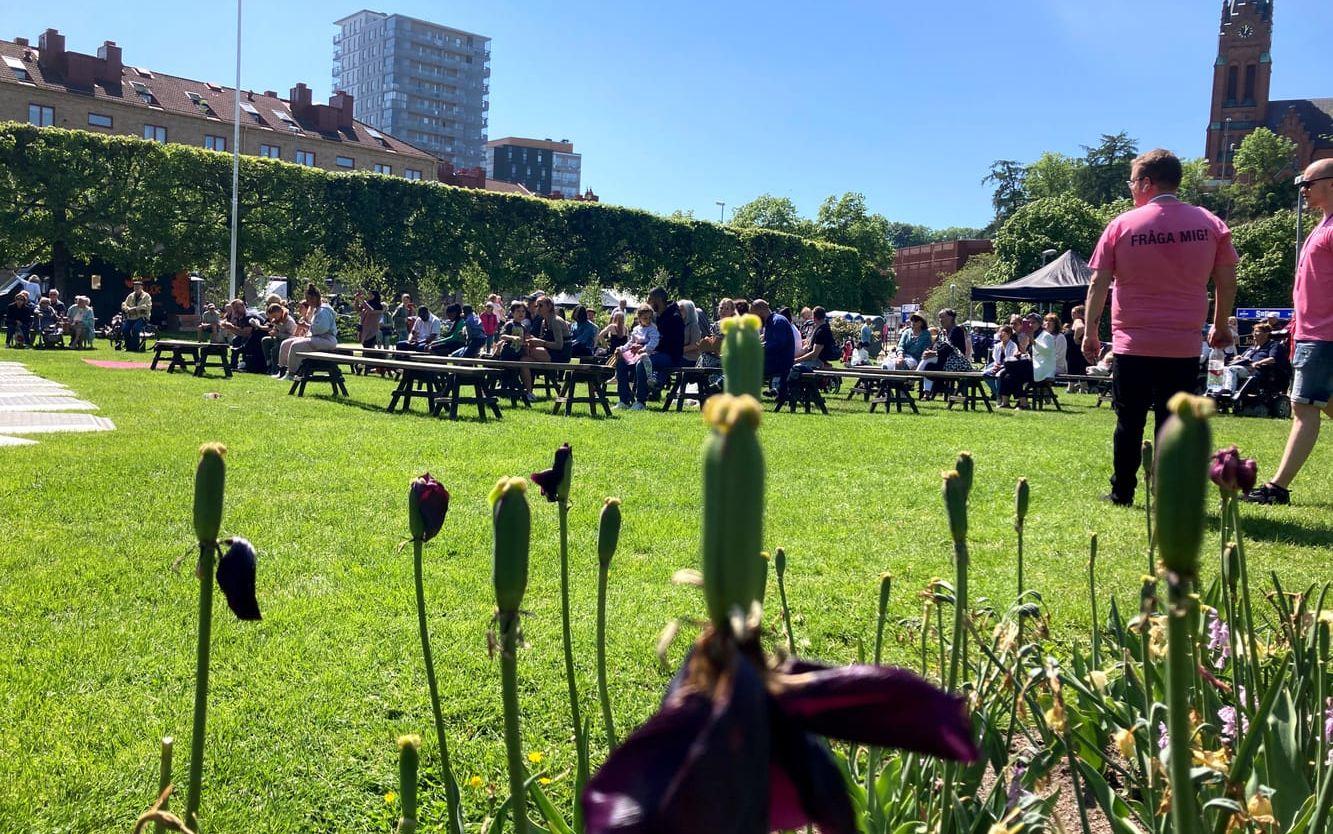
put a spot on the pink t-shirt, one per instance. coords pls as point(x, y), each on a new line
point(1313, 294)
point(1162, 256)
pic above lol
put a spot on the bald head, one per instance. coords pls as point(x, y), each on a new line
point(1319, 188)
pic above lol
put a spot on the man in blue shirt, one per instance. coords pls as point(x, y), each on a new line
point(779, 343)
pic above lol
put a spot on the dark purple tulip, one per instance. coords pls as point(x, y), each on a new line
point(427, 505)
point(1247, 474)
point(554, 482)
point(1222, 470)
point(236, 578)
point(747, 757)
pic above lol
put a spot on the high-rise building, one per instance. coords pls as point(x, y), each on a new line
point(544, 167)
point(1241, 76)
point(424, 83)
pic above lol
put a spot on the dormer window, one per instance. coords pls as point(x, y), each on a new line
point(16, 67)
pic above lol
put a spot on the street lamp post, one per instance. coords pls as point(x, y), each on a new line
point(1226, 138)
point(1046, 255)
point(722, 210)
point(235, 161)
point(198, 293)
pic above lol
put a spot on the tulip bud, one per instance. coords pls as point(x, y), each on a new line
point(1182, 464)
point(1146, 460)
point(554, 482)
point(1231, 566)
point(427, 505)
point(409, 760)
point(512, 521)
point(236, 578)
point(608, 532)
point(733, 498)
point(955, 501)
point(780, 562)
point(964, 466)
point(209, 480)
point(742, 356)
point(1021, 498)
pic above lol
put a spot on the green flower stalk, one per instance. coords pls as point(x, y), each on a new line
point(209, 482)
point(1022, 496)
point(1149, 476)
point(608, 537)
point(780, 568)
point(1182, 478)
point(742, 356)
point(1092, 595)
point(427, 506)
point(734, 570)
point(164, 779)
point(409, 760)
point(512, 522)
point(955, 501)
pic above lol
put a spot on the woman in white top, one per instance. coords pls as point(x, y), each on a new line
point(1004, 350)
point(323, 333)
point(1046, 349)
point(1054, 327)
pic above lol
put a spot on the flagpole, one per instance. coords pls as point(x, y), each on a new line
point(235, 159)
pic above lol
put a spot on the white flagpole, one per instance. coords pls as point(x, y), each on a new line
point(235, 159)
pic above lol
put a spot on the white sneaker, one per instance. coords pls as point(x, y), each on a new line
point(637, 407)
point(288, 377)
point(619, 406)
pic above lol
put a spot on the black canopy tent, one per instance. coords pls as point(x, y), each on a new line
point(1064, 279)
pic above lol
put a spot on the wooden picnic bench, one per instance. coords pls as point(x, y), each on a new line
point(681, 378)
point(1100, 384)
point(592, 375)
point(435, 379)
point(878, 386)
point(187, 354)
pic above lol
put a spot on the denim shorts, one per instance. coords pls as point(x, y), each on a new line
point(1312, 377)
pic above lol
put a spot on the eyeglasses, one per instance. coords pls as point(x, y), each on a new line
point(1130, 183)
point(1304, 184)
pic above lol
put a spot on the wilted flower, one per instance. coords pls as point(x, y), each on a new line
point(735, 744)
point(1260, 809)
point(427, 505)
point(1212, 759)
point(1219, 640)
point(1124, 741)
point(554, 482)
point(236, 578)
point(1232, 473)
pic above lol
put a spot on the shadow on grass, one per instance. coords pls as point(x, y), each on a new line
point(1267, 528)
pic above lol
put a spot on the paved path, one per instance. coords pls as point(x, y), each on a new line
point(30, 404)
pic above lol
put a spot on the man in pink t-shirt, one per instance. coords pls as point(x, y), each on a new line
point(1160, 256)
point(1311, 334)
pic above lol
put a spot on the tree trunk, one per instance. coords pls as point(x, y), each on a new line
point(60, 267)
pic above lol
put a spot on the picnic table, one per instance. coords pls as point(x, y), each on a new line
point(1100, 384)
point(890, 386)
point(187, 354)
point(434, 379)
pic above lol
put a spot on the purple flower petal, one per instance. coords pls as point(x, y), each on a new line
point(806, 786)
point(877, 705)
point(699, 764)
point(430, 500)
point(554, 482)
point(236, 578)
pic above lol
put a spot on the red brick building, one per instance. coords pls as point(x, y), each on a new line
point(919, 269)
point(1241, 76)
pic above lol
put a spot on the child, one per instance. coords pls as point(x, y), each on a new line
point(490, 322)
point(847, 351)
point(643, 338)
point(861, 356)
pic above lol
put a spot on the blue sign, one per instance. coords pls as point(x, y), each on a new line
point(1259, 313)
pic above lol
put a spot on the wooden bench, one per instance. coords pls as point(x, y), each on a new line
point(186, 354)
point(569, 375)
point(435, 379)
point(319, 367)
point(1042, 392)
point(1100, 384)
point(803, 391)
point(879, 386)
point(681, 378)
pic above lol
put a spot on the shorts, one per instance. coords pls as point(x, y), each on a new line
point(1312, 373)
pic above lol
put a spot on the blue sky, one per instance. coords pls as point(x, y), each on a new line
point(679, 105)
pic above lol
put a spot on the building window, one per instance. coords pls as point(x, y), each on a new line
point(1250, 72)
point(305, 158)
point(98, 120)
point(344, 162)
point(1232, 73)
point(270, 151)
point(41, 115)
point(381, 168)
point(215, 143)
point(155, 133)
point(412, 174)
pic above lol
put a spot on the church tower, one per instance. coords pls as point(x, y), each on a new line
point(1241, 76)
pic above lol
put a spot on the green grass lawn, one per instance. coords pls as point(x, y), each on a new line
point(97, 655)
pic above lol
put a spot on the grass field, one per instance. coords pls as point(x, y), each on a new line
point(97, 654)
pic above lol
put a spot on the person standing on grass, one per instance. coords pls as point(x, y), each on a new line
point(1160, 256)
point(1311, 333)
point(401, 318)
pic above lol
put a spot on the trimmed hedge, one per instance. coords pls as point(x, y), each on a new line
point(149, 209)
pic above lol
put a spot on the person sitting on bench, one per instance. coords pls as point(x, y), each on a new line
point(323, 334)
point(81, 323)
point(453, 335)
point(136, 310)
point(422, 331)
point(820, 349)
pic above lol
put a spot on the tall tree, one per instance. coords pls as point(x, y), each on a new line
point(1267, 267)
point(1010, 192)
point(1265, 166)
point(1057, 223)
point(846, 221)
point(769, 212)
point(1053, 175)
point(1106, 168)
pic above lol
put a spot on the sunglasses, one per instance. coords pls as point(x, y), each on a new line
point(1304, 184)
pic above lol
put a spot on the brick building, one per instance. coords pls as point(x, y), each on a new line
point(48, 85)
point(919, 269)
point(1241, 77)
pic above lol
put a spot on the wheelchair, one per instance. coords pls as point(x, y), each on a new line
point(1264, 394)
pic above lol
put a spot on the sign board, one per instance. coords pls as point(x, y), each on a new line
point(1258, 313)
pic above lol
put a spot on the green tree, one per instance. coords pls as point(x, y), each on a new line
point(1106, 168)
point(1265, 166)
point(846, 221)
point(956, 233)
point(1010, 192)
point(1057, 223)
point(1053, 175)
point(956, 290)
point(1267, 267)
point(769, 212)
point(908, 234)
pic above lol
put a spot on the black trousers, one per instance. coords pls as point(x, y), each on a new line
point(1138, 384)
